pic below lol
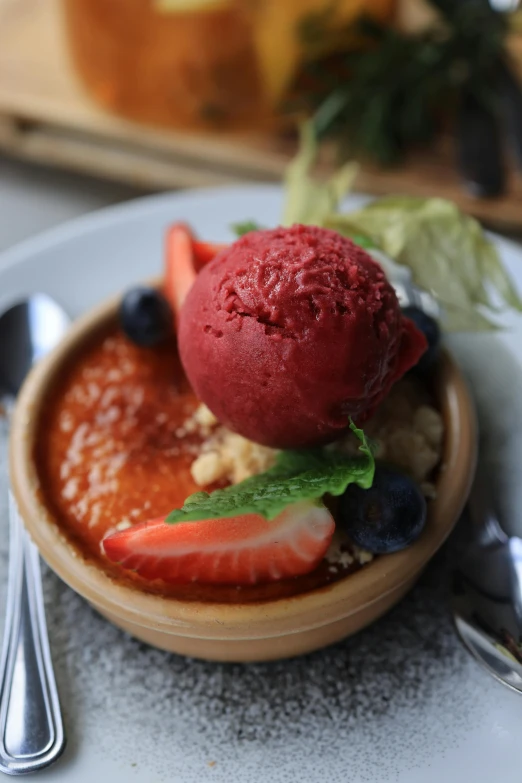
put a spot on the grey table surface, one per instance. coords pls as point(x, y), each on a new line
point(33, 198)
point(359, 706)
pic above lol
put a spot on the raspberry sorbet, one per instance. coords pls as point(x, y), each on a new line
point(288, 333)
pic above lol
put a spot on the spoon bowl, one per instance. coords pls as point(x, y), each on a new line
point(28, 331)
point(487, 589)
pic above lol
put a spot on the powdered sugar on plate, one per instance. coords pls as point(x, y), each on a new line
point(359, 705)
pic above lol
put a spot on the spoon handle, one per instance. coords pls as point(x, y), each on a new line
point(31, 727)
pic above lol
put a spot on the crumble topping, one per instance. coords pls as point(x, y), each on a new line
point(407, 431)
point(224, 455)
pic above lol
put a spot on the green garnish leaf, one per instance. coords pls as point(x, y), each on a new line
point(308, 200)
point(362, 240)
point(447, 252)
point(305, 474)
point(245, 227)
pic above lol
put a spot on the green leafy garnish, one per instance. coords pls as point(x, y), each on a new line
point(308, 200)
point(306, 474)
point(383, 90)
point(245, 227)
point(447, 252)
point(362, 241)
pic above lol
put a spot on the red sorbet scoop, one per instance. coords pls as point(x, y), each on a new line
point(287, 333)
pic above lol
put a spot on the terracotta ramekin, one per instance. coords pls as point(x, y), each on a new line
point(240, 632)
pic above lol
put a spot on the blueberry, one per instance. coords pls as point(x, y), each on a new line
point(145, 316)
point(431, 330)
point(386, 518)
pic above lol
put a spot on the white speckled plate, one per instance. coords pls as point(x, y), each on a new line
point(400, 702)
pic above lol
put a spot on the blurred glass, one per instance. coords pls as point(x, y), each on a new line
point(207, 64)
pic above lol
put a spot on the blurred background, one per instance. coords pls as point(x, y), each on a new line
point(159, 94)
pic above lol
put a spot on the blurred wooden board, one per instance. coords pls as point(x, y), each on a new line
point(45, 116)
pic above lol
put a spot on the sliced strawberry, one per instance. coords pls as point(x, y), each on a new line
point(180, 268)
point(184, 257)
point(240, 550)
point(205, 252)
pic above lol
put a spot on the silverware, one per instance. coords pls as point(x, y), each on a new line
point(31, 727)
point(487, 589)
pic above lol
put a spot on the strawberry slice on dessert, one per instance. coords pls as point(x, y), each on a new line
point(241, 550)
point(184, 257)
point(180, 265)
point(205, 251)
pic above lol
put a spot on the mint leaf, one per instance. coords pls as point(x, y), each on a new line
point(306, 474)
point(245, 227)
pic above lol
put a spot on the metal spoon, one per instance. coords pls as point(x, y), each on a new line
point(487, 589)
point(31, 726)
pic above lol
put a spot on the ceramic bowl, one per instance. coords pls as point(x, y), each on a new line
point(240, 632)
